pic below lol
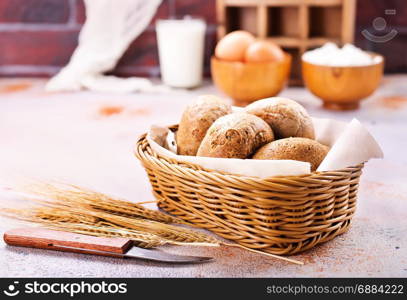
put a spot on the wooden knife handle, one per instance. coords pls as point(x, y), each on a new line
point(51, 239)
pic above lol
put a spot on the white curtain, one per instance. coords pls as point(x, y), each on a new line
point(110, 27)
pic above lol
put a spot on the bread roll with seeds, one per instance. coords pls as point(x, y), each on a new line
point(301, 149)
point(286, 117)
point(195, 121)
point(237, 135)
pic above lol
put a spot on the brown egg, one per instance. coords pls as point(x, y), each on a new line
point(263, 51)
point(232, 47)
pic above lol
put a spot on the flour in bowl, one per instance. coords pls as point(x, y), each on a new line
point(331, 55)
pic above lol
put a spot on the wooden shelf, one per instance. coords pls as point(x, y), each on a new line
point(296, 71)
point(323, 2)
point(325, 21)
point(244, 18)
point(295, 2)
point(284, 41)
point(281, 3)
point(277, 24)
point(319, 41)
point(241, 3)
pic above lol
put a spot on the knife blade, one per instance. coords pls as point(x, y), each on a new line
point(79, 243)
point(147, 254)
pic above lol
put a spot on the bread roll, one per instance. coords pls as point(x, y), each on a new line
point(195, 121)
point(237, 135)
point(286, 117)
point(301, 149)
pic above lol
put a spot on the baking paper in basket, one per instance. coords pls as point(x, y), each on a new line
point(351, 147)
point(340, 136)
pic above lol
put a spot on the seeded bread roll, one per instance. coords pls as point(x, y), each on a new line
point(195, 121)
point(286, 117)
point(237, 135)
point(301, 149)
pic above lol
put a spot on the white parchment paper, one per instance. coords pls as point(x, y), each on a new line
point(350, 144)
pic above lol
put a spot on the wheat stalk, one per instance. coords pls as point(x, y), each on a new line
point(140, 239)
point(80, 210)
point(54, 218)
point(64, 217)
point(163, 230)
point(73, 195)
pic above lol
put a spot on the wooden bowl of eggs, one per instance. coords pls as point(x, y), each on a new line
point(342, 77)
point(247, 69)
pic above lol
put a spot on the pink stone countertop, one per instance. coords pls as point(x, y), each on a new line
point(87, 138)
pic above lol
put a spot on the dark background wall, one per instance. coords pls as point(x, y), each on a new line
point(37, 37)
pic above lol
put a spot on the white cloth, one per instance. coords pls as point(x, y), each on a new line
point(110, 27)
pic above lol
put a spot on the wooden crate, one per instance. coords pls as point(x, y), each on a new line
point(295, 25)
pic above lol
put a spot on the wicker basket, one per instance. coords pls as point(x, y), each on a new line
point(280, 215)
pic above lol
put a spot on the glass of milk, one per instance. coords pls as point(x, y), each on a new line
point(181, 51)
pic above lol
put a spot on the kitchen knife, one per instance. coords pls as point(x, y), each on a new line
point(80, 243)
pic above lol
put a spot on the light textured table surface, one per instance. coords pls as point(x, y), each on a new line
point(70, 136)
